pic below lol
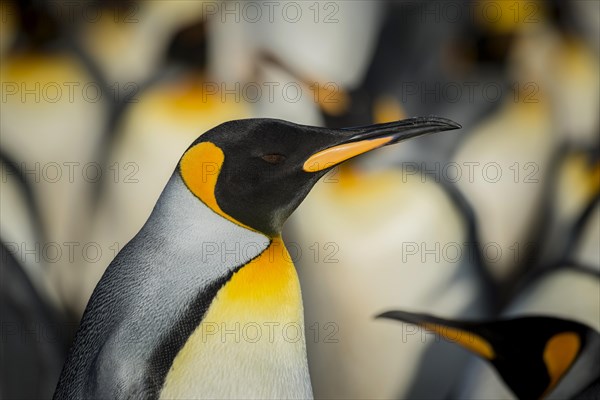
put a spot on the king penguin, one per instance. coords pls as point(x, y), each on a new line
point(537, 356)
point(204, 302)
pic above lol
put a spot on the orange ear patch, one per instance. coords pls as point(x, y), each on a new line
point(200, 168)
point(559, 354)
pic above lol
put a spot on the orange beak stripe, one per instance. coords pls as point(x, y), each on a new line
point(337, 154)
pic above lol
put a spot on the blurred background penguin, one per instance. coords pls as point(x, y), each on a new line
point(499, 220)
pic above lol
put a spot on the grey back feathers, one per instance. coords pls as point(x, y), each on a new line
point(152, 297)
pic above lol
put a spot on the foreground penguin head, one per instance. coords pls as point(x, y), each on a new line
point(533, 354)
point(255, 172)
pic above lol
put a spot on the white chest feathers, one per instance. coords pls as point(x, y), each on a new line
point(250, 344)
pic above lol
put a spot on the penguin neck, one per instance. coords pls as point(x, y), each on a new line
point(250, 342)
point(265, 288)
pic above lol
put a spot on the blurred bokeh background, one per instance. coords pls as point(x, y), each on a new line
point(99, 100)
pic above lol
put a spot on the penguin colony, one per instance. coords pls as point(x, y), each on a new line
point(193, 165)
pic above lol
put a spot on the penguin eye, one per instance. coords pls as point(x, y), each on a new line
point(273, 158)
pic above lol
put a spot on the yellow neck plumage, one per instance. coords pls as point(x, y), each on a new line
point(251, 340)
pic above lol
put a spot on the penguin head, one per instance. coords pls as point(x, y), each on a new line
point(255, 172)
point(532, 354)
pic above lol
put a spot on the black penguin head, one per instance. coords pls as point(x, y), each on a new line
point(531, 354)
point(255, 172)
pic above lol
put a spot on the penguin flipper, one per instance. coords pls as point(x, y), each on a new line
point(119, 378)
